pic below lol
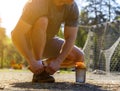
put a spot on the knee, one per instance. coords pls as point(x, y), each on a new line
point(43, 20)
point(20, 30)
point(14, 35)
point(41, 23)
point(80, 56)
point(76, 55)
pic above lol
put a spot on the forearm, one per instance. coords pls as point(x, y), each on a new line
point(70, 37)
point(70, 34)
point(66, 48)
point(38, 37)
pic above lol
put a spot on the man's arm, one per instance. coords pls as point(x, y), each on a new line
point(70, 31)
point(70, 34)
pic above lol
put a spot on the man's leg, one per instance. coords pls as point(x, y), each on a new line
point(74, 59)
point(38, 41)
point(22, 40)
point(38, 37)
point(53, 48)
point(76, 55)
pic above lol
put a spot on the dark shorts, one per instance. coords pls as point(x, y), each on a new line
point(53, 47)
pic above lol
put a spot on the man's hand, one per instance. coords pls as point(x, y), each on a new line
point(36, 67)
point(53, 66)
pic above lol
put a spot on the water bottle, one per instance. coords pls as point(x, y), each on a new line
point(80, 72)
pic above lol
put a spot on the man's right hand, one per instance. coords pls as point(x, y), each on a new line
point(36, 67)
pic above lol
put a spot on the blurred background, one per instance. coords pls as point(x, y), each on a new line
point(98, 35)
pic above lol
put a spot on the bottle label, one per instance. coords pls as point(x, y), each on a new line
point(80, 75)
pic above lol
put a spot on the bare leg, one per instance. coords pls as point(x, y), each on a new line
point(21, 40)
point(38, 35)
point(76, 55)
point(53, 48)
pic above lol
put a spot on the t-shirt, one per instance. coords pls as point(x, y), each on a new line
point(68, 14)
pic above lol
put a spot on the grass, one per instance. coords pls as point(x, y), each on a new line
point(13, 70)
point(66, 71)
point(62, 71)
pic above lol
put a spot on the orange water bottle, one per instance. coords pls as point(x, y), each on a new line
point(80, 72)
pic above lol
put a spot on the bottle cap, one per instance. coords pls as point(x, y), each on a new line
point(80, 65)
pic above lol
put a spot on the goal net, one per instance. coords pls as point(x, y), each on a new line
point(102, 47)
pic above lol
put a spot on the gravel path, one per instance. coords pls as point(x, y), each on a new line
point(21, 81)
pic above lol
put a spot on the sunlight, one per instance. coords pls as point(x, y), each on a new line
point(10, 11)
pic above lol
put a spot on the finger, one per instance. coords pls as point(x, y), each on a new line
point(47, 69)
point(50, 70)
point(30, 69)
point(39, 71)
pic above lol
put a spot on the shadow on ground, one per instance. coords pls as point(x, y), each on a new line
point(58, 86)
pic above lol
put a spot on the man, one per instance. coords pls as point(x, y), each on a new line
point(35, 37)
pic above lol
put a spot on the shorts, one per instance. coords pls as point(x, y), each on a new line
point(53, 47)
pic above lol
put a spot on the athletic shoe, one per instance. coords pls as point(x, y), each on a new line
point(43, 77)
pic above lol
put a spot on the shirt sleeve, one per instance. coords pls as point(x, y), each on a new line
point(72, 18)
point(34, 9)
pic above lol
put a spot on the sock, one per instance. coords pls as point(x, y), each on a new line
point(39, 61)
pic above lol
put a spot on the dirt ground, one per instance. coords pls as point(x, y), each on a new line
point(17, 80)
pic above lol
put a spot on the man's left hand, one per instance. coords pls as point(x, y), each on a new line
point(53, 66)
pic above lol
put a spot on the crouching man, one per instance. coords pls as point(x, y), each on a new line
point(35, 37)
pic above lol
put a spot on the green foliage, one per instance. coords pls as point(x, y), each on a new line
point(81, 37)
point(7, 51)
point(99, 11)
point(60, 33)
point(2, 45)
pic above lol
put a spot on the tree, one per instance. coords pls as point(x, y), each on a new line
point(100, 11)
point(2, 44)
point(7, 51)
point(81, 37)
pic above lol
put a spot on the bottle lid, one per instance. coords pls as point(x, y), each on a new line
point(80, 65)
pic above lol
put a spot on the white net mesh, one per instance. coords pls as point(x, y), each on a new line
point(102, 48)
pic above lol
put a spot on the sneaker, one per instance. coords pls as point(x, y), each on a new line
point(43, 77)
